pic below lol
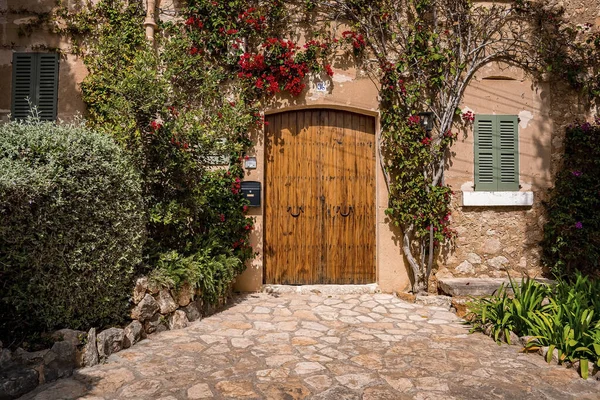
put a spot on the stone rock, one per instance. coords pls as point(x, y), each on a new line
point(165, 302)
point(178, 320)
point(465, 268)
point(139, 291)
point(491, 246)
point(134, 332)
point(236, 389)
point(59, 362)
point(146, 308)
point(355, 381)
point(17, 383)
point(473, 258)
point(409, 297)
point(90, 351)
point(185, 295)
point(545, 302)
point(437, 301)
point(498, 263)
point(110, 341)
point(544, 352)
point(199, 391)
point(155, 324)
point(192, 312)
point(338, 393)
point(460, 305)
point(524, 340)
point(5, 357)
point(305, 368)
point(487, 329)
point(30, 358)
point(514, 338)
point(479, 286)
point(443, 273)
point(74, 337)
point(523, 262)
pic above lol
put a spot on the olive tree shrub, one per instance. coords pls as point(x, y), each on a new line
point(71, 228)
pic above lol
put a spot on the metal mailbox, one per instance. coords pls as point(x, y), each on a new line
point(251, 191)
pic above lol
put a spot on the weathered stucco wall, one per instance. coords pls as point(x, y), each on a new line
point(490, 239)
point(493, 239)
point(19, 32)
point(350, 90)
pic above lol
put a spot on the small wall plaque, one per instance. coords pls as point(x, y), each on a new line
point(250, 163)
point(322, 86)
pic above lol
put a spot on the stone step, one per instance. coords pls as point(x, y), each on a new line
point(478, 287)
point(322, 289)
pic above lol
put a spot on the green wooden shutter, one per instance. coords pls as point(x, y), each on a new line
point(35, 81)
point(23, 84)
point(508, 152)
point(485, 153)
point(47, 85)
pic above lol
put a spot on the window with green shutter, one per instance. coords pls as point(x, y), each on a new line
point(35, 81)
point(496, 153)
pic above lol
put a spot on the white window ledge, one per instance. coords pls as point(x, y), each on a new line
point(471, 199)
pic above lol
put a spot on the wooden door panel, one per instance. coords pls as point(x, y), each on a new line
point(324, 162)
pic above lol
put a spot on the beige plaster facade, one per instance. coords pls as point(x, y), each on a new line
point(491, 240)
point(351, 91)
point(19, 33)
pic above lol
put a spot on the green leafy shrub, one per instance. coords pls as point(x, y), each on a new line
point(177, 114)
point(572, 234)
point(71, 228)
point(209, 273)
point(503, 312)
point(568, 321)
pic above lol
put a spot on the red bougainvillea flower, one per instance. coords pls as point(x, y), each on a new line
point(413, 120)
point(426, 141)
point(155, 125)
point(245, 208)
point(328, 70)
point(222, 217)
point(358, 41)
point(468, 116)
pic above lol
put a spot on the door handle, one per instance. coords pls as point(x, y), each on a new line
point(295, 215)
point(350, 209)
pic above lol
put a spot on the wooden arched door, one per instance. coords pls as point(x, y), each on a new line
point(320, 198)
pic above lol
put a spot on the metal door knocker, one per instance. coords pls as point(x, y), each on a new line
point(295, 215)
point(350, 209)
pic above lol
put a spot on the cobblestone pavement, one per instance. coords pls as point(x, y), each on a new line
point(322, 347)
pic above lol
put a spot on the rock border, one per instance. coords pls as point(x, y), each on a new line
point(155, 309)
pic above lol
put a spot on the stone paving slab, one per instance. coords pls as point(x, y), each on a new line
point(338, 347)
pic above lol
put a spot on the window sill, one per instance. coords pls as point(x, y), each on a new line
point(500, 199)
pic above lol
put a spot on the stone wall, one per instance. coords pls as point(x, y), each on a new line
point(494, 241)
point(155, 309)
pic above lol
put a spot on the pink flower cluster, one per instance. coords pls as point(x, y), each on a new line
point(468, 117)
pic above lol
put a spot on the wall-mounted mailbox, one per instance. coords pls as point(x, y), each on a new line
point(251, 191)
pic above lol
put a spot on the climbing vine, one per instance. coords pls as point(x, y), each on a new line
point(183, 105)
point(201, 88)
point(425, 53)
